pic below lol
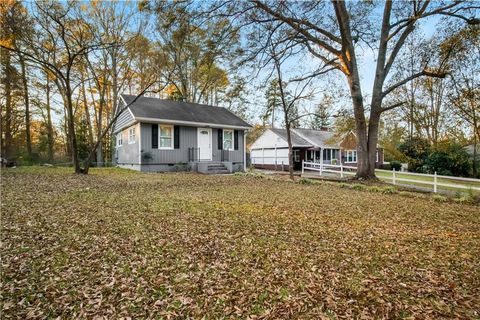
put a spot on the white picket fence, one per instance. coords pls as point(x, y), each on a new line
point(396, 177)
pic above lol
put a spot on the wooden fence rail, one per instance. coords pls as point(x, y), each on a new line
point(396, 177)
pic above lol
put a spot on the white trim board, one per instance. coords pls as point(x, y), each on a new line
point(190, 123)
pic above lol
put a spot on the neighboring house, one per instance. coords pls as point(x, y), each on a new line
point(270, 150)
point(164, 135)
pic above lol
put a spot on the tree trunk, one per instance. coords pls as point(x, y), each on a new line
point(114, 99)
point(364, 169)
point(87, 114)
point(28, 137)
point(290, 148)
point(8, 143)
point(99, 131)
point(71, 127)
point(49, 123)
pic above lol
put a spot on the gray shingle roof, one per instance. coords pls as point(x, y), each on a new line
point(321, 138)
point(297, 141)
point(154, 108)
point(310, 138)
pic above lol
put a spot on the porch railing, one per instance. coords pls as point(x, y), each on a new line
point(193, 154)
point(224, 155)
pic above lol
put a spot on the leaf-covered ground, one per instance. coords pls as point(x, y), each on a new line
point(118, 243)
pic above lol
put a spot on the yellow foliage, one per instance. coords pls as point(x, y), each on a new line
point(7, 42)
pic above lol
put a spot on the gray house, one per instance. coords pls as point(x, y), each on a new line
point(159, 135)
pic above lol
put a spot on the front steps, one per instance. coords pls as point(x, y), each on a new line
point(212, 168)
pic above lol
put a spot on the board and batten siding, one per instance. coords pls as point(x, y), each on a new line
point(124, 119)
point(127, 153)
point(234, 155)
point(188, 139)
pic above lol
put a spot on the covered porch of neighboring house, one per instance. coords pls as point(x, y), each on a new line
point(323, 155)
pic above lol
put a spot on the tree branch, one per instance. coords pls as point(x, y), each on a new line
point(424, 72)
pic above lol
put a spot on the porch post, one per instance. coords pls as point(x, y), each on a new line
point(276, 157)
point(321, 160)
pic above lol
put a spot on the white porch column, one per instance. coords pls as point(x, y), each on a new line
point(321, 160)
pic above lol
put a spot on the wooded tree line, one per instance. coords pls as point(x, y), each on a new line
point(65, 64)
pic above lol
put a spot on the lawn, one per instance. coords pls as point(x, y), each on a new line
point(118, 243)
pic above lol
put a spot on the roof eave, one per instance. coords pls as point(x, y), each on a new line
point(191, 123)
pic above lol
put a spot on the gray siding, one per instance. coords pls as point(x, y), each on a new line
point(234, 155)
point(124, 119)
point(128, 152)
point(188, 139)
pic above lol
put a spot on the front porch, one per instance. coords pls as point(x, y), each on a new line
point(221, 162)
point(316, 155)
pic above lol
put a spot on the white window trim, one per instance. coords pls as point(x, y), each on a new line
point(130, 135)
point(348, 152)
point(120, 134)
point(172, 144)
point(233, 140)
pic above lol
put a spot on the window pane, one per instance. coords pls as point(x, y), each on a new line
point(227, 144)
point(165, 131)
point(165, 142)
point(227, 135)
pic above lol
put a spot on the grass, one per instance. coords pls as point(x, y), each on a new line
point(117, 243)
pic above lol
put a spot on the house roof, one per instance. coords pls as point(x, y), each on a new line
point(320, 138)
point(297, 141)
point(155, 109)
point(310, 138)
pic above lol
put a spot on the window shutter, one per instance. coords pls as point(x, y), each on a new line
point(235, 139)
point(220, 139)
point(176, 137)
point(154, 136)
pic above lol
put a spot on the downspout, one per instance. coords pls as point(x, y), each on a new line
point(244, 150)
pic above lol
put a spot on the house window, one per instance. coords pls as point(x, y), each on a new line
point(327, 154)
point(352, 156)
point(166, 137)
point(227, 139)
point(334, 154)
point(119, 139)
point(296, 155)
point(131, 135)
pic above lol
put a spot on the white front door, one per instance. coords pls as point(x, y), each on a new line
point(205, 144)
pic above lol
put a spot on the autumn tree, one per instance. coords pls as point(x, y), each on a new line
point(194, 50)
point(464, 89)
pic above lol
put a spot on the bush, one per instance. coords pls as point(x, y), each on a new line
point(305, 181)
point(417, 150)
point(359, 187)
point(374, 189)
point(389, 190)
point(439, 198)
point(449, 159)
point(397, 165)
